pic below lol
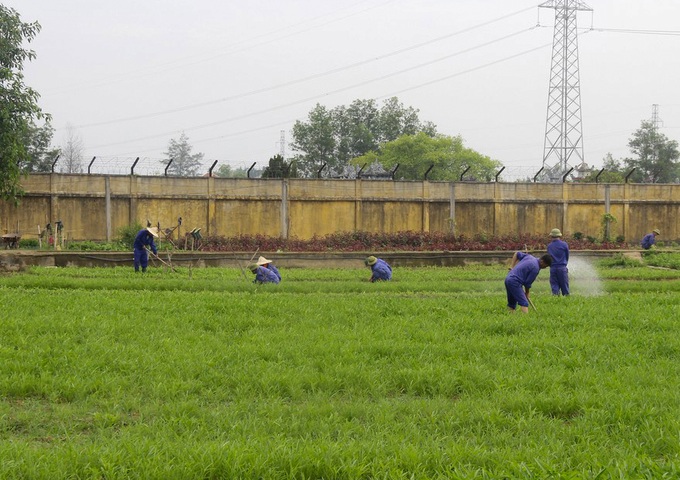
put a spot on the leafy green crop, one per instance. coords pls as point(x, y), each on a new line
point(201, 374)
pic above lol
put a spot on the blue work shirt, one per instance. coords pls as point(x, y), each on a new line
point(144, 238)
point(526, 270)
point(275, 270)
point(648, 240)
point(381, 271)
point(264, 275)
point(559, 251)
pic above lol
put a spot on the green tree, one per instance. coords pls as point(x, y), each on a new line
point(415, 154)
point(315, 139)
point(18, 103)
point(334, 137)
point(227, 171)
point(41, 155)
point(279, 168)
point(184, 163)
point(613, 171)
point(656, 157)
point(396, 120)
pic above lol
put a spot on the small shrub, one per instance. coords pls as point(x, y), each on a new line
point(89, 246)
point(578, 235)
point(620, 260)
point(127, 234)
point(29, 243)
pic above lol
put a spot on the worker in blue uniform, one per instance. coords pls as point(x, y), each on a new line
point(262, 274)
point(263, 262)
point(523, 271)
point(558, 250)
point(380, 269)
point(143, 240)
point(649, 240)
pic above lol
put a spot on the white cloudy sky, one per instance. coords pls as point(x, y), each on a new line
point(127, 76)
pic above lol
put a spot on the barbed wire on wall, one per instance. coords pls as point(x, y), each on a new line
point(154, 166)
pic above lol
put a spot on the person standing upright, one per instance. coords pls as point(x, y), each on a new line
point(558, 250)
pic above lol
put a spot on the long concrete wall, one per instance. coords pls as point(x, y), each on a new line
point(95, 207)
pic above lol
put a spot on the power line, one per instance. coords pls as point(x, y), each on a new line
point(360, 84)
point(639, 32)
point(318, 75)
point(178, 63)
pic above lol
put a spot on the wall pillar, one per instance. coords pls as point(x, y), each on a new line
point(452, 208)
point(426, 207)
point(607, 211)
point(212, 207)
point(358, 221)
point(53, 201)
point(285, 220)
point(107, 202)
point(626, 213)
point(565, 207)
point(132, 212)
point(496, 208)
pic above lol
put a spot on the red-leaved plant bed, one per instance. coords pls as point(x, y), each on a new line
point(400, 241)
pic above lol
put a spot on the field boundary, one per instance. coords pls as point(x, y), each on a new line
point(19, 259)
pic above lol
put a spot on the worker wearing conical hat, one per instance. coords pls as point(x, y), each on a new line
point(263, 262)
point(144, 239)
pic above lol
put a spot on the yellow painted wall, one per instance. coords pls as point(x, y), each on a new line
point(303, 208)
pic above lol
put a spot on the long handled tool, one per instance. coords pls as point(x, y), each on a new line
point(532, 304)
point(243, 271)
point(161, 260)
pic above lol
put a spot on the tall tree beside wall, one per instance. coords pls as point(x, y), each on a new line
point(613, 171)
point(656, 157)
point(71, 158)
point(184, 163)
point(18, 103)
point(41, 154)
point(447, 156)
point(333, 137)
point(227, 171)
point(279, 168)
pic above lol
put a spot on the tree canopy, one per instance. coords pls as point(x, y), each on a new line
point(656, 157)
point(613, 171)
point(184, 163)
point(18, 103)
point(333, 137)
point(41, 155)
point(445, 157)
point(279, 168)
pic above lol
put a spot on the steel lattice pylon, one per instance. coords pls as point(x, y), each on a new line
point(563, 130)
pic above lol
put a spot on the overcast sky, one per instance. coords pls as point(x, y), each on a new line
point(127, 76)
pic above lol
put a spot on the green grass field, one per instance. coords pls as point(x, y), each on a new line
point(202, 375)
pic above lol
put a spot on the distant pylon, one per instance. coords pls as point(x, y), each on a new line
point(656, 121)
point(563, 129)
point(282, 146)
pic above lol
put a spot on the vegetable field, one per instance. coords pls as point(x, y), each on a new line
point(201, 374)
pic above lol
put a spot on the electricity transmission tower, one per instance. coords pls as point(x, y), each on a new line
point(563, 131)
point(282, 142)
